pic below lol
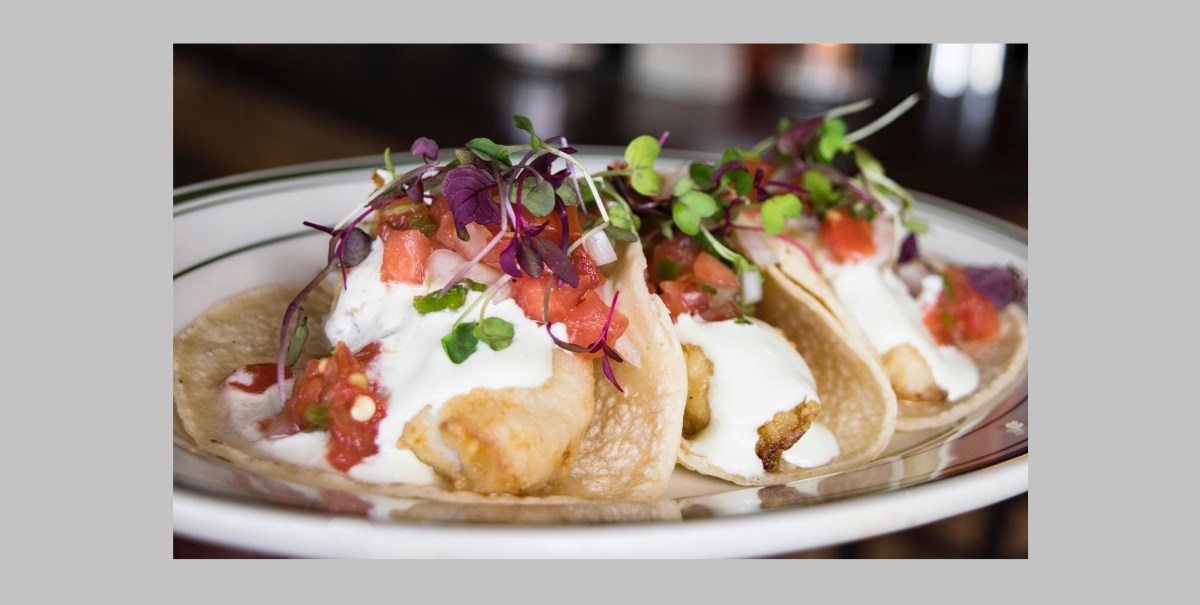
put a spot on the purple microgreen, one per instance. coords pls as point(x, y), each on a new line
point(726, 167)
point(528, 258)
point(557, 261)
point(793, 140)
point(662, 138)
point(794, 188)
point(564, 221)
point(1001, 285)
point(508, 258)
point(608, 373)
point(468, 189)
point(908, 249)
point(426, 149)
point(488, 150)
point(416, 192)
point(321, 228)
point(356, 247)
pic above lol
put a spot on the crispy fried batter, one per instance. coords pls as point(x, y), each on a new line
point(911, 377)
point(782, 431)
point(697, 414)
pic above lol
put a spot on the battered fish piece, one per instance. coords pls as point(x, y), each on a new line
point(516, 440)
point(911, 377)
point(775, 436)
point(779, 434)
point(696, 413)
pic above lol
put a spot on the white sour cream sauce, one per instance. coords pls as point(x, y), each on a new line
point(412, 369)
point(891, 317)
point(756, 374)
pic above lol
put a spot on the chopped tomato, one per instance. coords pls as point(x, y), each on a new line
point(962, 314)
point(849, 239)
point(338, 383)
point(713, 272)
point(400, 215)
point(439, 208)
point(530, 294)
point(673, 259)
point(553, 230)
point(478, 237)
point(404, 256)
point(590, 276)
point(683, 297)
point(721, 312)
point(585, 322)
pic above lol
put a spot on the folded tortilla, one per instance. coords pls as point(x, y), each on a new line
point(589, 441)
point(1001, 361)
point(856, 401)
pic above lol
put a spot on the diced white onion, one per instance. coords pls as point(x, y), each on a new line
point(600, 249)
point(751, 287)
point(755, 245)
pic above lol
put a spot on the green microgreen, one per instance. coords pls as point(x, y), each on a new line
point(832, 139)
point(488, 150)
point(299, 337)
point(777, 209)
point(524, 123)
point(441, 301)
point(537, 195)
point(461, 342)
point(691, 208)
point(387, 162)
point(820, 191)
point(640, 154)
point(496, 332)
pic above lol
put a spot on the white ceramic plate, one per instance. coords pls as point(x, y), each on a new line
point(237, 233)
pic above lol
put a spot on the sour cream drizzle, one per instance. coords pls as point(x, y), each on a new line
point(412, 369)
point(756, 374)
point(890, 317)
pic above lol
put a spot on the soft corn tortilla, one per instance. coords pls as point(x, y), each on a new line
point(1001, 362)
point(857, 402)
point(626, 453)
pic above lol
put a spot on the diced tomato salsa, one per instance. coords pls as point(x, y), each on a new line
point(849, 239)
point(961, 314)
point(325, 396)
point(691, 281)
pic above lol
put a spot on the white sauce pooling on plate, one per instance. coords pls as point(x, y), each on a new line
point(891, 317)
point(412, 369)
point(757, 373)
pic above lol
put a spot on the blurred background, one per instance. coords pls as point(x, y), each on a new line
point(239, 108)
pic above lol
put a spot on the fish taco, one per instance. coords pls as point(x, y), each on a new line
point(811, 201)
point(776, 389)
point(468, 339)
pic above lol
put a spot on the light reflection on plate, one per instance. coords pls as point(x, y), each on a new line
point(237, 233)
